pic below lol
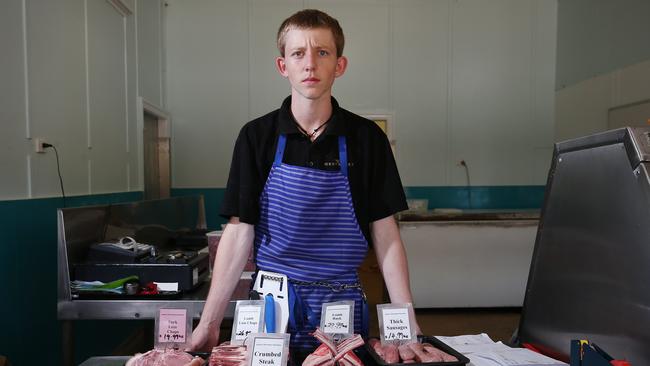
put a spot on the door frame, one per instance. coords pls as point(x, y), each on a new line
point(164, 138)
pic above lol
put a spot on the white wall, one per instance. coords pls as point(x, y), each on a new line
point(603, 62)
point(72, 78)
point(464, 79)
point(582, 108)
point(596, 37)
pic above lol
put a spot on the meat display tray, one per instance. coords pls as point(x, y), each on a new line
point(370, 358)
point(462, 360)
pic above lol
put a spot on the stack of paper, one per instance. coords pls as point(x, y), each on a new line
point(483, 351)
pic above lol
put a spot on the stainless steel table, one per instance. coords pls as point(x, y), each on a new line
point(106, 361)
point(158, 222)
point(143, 309)
point(71, 310)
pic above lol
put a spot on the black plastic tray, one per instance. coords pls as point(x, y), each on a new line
point(462, 360)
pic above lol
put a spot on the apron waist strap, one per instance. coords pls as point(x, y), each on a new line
point(335, 286)
point(302, 317)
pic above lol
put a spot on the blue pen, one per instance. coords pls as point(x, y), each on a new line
point(269, 313)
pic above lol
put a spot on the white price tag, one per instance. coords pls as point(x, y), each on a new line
point(173, 326)
point(267, 351)
point(248, 321)
point(337, 319)
point(396, 324)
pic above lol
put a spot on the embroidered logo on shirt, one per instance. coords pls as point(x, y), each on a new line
point(337, 163)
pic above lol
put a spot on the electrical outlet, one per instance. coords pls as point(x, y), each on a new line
point(38, 145)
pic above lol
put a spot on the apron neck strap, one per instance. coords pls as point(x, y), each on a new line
point(279, 152)
point(343, 155)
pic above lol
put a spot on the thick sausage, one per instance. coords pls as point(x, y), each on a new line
point(422, 356)
point(376, 346)
point(391, 355)
point(406, 353)
point(430, 349)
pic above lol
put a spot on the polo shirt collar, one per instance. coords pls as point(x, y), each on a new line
point(288, 125)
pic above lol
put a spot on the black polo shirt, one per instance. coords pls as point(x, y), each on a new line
point(374, 181)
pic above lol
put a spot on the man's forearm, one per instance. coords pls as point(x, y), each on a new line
point(232, 254)
point(391, 257)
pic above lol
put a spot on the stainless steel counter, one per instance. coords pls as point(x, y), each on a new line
point(106, 361)
point(467, 215)
point(80, 227)
point(144, 309)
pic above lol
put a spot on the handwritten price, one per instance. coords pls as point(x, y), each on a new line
point(336, 325)
point(397, 336)
point(173, 337)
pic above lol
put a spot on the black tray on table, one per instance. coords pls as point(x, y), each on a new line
point(462, 360)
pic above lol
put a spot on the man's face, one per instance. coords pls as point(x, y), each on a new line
point(310, 62)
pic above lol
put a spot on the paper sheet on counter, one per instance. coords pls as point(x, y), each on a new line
point(483, 351)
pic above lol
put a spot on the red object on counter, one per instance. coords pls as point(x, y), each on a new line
point(620, 363)
point(530, 347)
point(149, 289)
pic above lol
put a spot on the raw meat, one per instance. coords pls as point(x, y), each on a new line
point(330, 354)
point(227, 355)
point(350, 359)
point(322, 356)
point(376, 346)
point(422, 356)
point(409, 353)
point(405, 353)
point(347, 346)
point(168, 357)
point(391, 354)
point(433, 350)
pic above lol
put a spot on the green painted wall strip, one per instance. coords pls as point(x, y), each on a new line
point(483, 197)
point(28, 248)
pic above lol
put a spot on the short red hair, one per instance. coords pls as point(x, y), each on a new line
point(311, 19)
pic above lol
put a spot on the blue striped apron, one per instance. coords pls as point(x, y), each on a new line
point(308, 230)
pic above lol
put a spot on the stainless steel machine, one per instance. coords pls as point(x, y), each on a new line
point(92, 243)
point(590, 273)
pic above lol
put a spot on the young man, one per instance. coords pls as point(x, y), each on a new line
point(310, 185)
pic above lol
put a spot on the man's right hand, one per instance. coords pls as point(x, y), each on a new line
point(205, 337)
point(235, 245)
